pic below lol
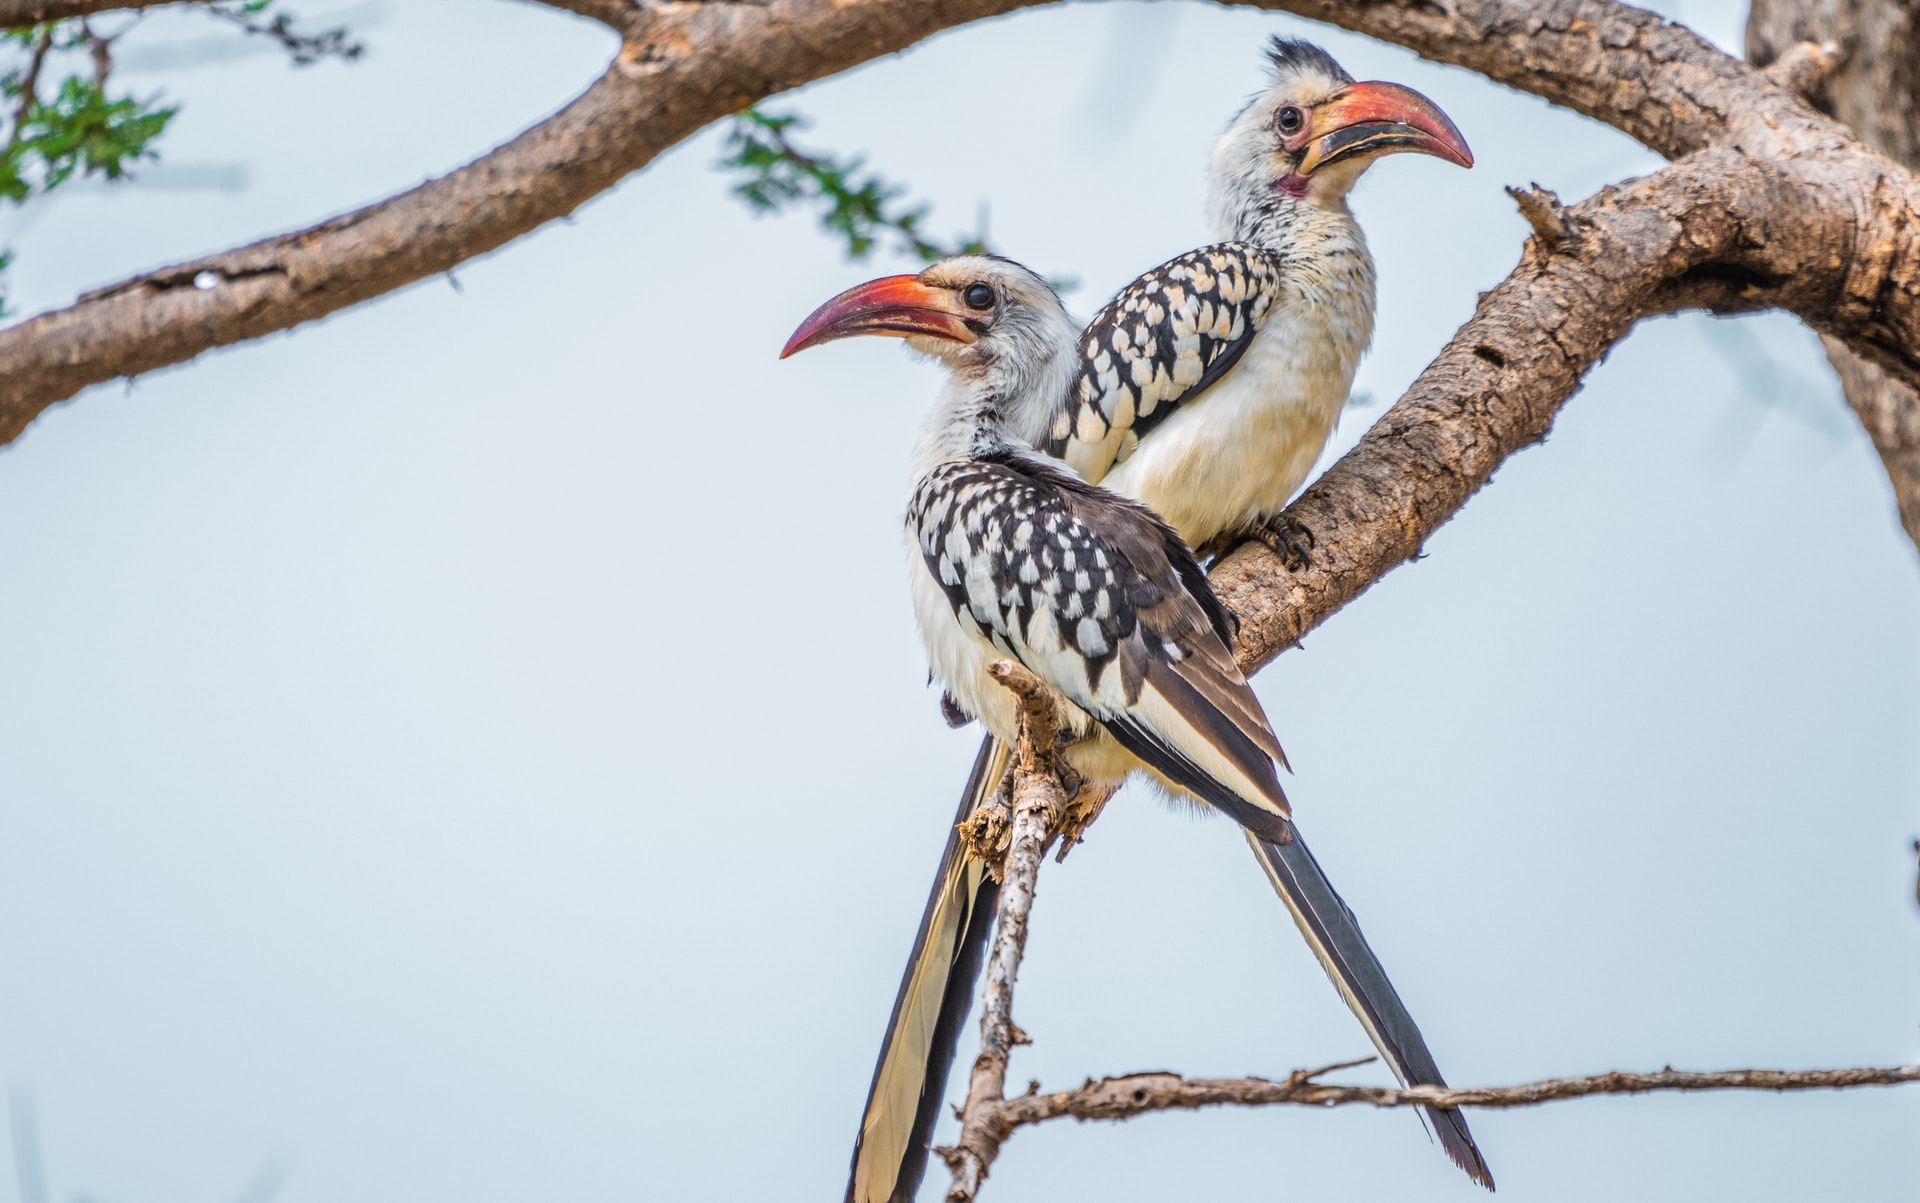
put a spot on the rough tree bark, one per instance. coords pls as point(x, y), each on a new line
point(1826, 229)
point(1038, 801)
point(1875, 90)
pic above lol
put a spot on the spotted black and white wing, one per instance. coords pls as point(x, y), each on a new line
point(1100, 599)
point(1159, 345)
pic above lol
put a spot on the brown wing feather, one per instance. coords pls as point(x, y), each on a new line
point(1184, 630)
point(1209, 669)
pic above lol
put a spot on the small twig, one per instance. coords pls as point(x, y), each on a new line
point(101, 50)
point(1039, 800)
point(30, 83)
point(1136, 1094)
point(1804, 68)
point(617, 15)
point(1544, 212)
point(305, 48)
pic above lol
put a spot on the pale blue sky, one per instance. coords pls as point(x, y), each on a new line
point(475, 747)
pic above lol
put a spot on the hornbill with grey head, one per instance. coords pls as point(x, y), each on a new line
point(1205, 389)
point(1011, 555)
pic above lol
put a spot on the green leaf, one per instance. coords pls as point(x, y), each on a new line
point(861, 209)
point(81, 131)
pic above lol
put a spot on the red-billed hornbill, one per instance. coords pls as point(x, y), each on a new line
point(1206, 389)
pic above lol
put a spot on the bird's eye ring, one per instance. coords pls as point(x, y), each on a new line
point(978, 296)
point(1289, 120)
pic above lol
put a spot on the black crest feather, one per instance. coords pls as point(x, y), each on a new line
point(1290, 55)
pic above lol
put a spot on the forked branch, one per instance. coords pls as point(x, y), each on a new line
point(1039, 803)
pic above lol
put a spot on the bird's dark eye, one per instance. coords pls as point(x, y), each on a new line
point(1289, 120)
point(978, 296)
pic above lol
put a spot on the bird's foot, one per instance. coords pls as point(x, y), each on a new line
point(1082, 809)
point(1287, 537)
point(1216, 547)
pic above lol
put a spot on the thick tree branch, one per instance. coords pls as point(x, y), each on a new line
point(1874, 87)
point(683, 65)
point(15, 13)
point(1137, 1094)
point(1659, 82)
point(1890, 411)
point(1717, 229)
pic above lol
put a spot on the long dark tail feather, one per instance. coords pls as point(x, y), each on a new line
point(910, 1078)
point(1334, 935)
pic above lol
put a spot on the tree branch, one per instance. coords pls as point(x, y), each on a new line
point(680, 67)
point(1872, 84)
point(617, 15)
point(1039, 803)
point(1716, 229)
point(1137, 1094)
point(16, 13)
point(988, 1118)
point(684, 65)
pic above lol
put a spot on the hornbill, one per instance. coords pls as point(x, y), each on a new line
point(1011, 555)
point(1205, 389)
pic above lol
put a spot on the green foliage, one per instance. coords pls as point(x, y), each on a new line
point(81, 131)
point(855, 205)
point(59, 120)
point(51, 132)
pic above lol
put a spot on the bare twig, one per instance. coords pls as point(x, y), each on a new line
point(1543, 211)
point(304, 48)
point(1136, 1094)
point(30, 82)
point(1039, 718)
point(1805, 68)
point(100, 50)
point(1039, 799)
point(616, 15)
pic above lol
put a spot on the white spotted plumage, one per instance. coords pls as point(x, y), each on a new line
point(1238, 357)
point(1207, 390)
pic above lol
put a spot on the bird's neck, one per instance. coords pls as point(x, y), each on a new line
point(1324, 259)
point(1280, 223)
point(1000, 405)
point(967, 422)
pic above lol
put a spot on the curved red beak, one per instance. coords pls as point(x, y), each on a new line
point(1380, 118)
point(897, 305)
